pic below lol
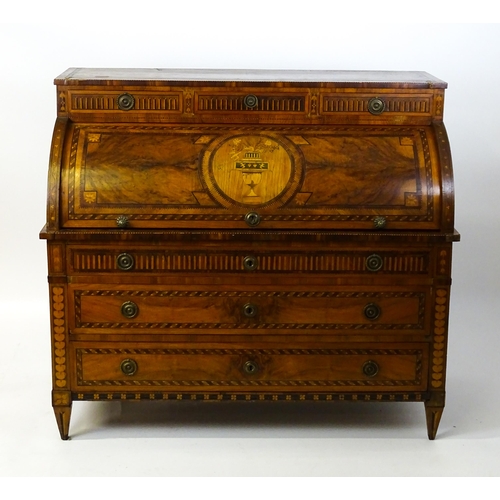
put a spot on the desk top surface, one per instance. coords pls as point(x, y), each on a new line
point(195, 77)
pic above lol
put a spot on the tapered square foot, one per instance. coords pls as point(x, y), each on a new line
point(433, 416)
point(63, 416)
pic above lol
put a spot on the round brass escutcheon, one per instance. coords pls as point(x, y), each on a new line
point(372, 311)
point(128, 366)
point(250, 101)
point(250, 367)
point(129, 309)
point(374, 262)
point(250, 263)
point(252, 219)
point(370, 368)
point(379, 222)
point(125, 102)
point(376, 106)
point(125, 262)
point(122, 221)
point(250, 310)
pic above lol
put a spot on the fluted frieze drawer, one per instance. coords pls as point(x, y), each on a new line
point(140, 260)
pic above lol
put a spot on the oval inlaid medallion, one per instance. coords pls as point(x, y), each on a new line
point(252, 170)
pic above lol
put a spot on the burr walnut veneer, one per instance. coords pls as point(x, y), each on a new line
point(249, 235)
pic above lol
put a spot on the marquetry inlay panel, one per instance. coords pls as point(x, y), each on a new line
point(288, 177)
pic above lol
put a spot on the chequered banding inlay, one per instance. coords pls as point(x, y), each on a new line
point(281, 396)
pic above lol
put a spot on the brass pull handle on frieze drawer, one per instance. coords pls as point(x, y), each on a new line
point(125, 262)
point(250, 101)
point(128, 366)
point(374, 263)
point(250, 263)
point(376, 106)
point(125, 102)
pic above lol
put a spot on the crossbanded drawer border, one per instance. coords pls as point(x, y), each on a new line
point(421, 296)
point(80, 352)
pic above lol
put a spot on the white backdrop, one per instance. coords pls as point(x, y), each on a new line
point(269, 35)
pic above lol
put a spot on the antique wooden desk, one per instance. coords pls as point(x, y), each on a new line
point(249, 235)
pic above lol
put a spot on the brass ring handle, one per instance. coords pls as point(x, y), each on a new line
point(128, 366)
point(372, 311)
point(370, 368)
point(376, 106)
point(250, 101)
point(374, 262)
point(125, 102)
point(129, 309)
point(250, 310)
point(125, 262)
point(250, 263)
point(250, 367)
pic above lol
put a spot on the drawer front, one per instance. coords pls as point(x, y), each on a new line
point(82, 103)
point(347, 368)
point(154, 260)
point(146, 310)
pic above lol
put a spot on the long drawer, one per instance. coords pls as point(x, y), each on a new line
point(344, 368)
point(224, 309)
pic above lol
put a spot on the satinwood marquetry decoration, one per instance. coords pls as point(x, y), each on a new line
point(249, 236)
